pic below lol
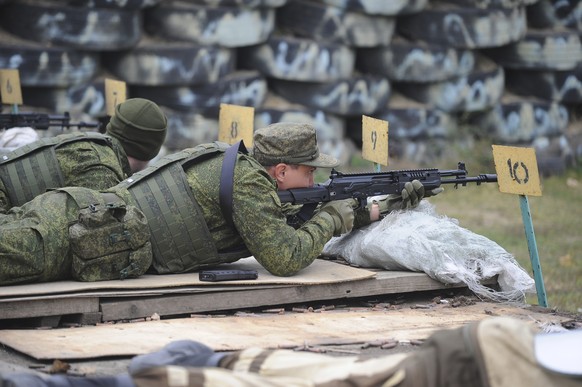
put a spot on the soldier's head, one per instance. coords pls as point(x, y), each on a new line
point(290, 153)
point(140, 126)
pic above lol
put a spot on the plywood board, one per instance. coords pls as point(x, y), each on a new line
point(261, 330)
point(319, 272)
point(385, 282)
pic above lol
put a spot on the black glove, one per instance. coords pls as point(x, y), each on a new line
point(410, 197)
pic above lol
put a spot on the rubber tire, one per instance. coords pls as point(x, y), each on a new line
point(359, 94)
point(334, 24)
point(541, 50)
point(479, 90)
point(245, 88)
point(407, 61)
point(115, 4)
point(298, 59)
point(223, 26)
point(492, 4)
point(159, 63)
point(464, 27)
point(47, 66)
point(240, 3)
point(88, 29)
point(552, 14)
point(186, 130)
point(86, 99)
point(380, 7)
point(559, 86)
point(518, 120)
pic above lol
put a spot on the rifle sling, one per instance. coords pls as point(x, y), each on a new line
point(227, 180)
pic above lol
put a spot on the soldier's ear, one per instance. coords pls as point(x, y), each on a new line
point(279, 172)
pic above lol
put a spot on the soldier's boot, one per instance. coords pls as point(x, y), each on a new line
point(186, 353)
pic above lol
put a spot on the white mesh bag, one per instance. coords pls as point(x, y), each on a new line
point(421, 240)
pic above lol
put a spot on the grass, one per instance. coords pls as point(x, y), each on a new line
point(556, 217)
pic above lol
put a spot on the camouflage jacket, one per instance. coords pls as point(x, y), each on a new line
point(82, 162)
point(259, 218)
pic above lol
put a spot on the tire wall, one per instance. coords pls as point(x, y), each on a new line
point(441, 73)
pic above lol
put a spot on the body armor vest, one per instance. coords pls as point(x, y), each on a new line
point(33, 169)
point(181, 241)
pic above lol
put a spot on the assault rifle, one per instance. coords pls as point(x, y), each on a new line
point(360, 186)
point(41, 121)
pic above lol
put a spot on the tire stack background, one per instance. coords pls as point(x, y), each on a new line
point(444, 74)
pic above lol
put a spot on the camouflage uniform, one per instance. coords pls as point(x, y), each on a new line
point(97, 162)
point(496, 352)
point(260, 223)
point(91, 160)
point(75, 233)
point(78, 232)
point(259, 219)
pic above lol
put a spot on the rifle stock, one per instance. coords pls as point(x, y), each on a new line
point(41, 121)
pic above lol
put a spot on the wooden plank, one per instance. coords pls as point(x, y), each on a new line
point(260, 330)
point(48, 307)
point(320, 271)
point(384, 283)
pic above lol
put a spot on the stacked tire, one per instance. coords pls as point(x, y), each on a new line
point(508, 70)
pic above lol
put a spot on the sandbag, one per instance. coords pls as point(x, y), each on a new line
point(421, 240)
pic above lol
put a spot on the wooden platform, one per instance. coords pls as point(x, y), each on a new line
point(174, 295)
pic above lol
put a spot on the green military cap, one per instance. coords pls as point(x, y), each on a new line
point(140, 125)
point(290, 143)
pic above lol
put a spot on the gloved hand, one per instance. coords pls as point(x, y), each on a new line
point(342, 214)
point(410, 197)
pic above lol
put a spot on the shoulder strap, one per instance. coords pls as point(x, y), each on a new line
point(227, 179)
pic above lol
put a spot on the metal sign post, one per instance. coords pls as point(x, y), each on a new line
point(517, 173)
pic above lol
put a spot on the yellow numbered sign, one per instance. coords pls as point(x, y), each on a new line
point(375, 140)
point(517, 170)
point(10, 87)
point(115, 93)
point(236, 123)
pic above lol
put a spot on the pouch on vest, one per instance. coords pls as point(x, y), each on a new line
point(110, 241)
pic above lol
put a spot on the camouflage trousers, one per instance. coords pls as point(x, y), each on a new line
point(496, 352)
point(73, 233)
point(34, 240)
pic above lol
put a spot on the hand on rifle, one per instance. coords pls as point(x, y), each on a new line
point(410, 197)
point(341, 213)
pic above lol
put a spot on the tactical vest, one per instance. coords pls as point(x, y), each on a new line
point(32, 169)
point(181, 240)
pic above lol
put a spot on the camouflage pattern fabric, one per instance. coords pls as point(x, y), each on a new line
point(4, 199)
point(93, 165)
point(85, 163)
point(37, 240)
point(34, 240)
point(495, 352)
point(258, 217)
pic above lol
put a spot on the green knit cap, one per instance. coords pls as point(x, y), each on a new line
point(140, 125)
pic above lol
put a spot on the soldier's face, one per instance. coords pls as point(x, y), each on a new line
point(296, 176)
